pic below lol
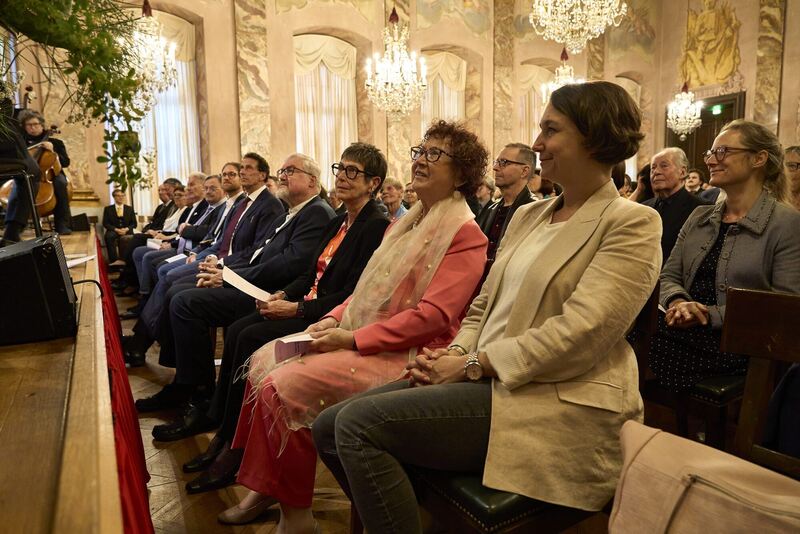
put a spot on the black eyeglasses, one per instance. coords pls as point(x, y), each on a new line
point(288, 171)
point(350, 171)
point(503, 162)
point(720, 152)
point(431, 154)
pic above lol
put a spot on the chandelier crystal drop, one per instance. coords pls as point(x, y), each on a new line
point(398, 81)
point(683, 113)
point(574, 22)
point(155, 62)
point(564, 75)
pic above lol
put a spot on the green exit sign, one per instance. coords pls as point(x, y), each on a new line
point(716, 109)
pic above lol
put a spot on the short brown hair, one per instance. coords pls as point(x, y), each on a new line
point(471, 157)
point(606, 116)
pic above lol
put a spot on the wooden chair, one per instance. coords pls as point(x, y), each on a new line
point(763, 326)
point(460, 503)
point(712, 400)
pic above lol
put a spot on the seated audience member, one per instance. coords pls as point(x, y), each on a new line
point(512, 168)
point(409, 196)
point(694, 182)
point(707, 193)
point(529, 393)
point(749, 240)
point(172, 222)
point(408, 296)
point(144, 258)
point(485, 192)
point(344, 250)
point(188, 311)
point(392, 196)
point(672, 202)
point(643, 190)
point(792, 163)
point(547, 189)
point(335, 202)
point(535, 184)
point(245, 232)
point(118, 220)
point(190, 232)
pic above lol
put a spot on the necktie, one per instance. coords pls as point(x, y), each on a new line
point(183, 243)
point(227, 236)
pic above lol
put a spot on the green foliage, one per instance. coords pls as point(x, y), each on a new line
point(88, 48)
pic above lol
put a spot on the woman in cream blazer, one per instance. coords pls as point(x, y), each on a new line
point(548, 378)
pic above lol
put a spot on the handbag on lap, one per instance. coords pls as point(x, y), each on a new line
point(671, 484)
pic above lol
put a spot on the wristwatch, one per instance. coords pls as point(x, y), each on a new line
point(301, 309)
point(473, 370)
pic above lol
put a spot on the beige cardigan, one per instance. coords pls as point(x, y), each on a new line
point(567, 377)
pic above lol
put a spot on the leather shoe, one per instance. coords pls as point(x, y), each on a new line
point(135, 358)
point(129, 315)
point(209, 482)
point(236, 516)
point(194, 422)
point(171, 396)
point(203, 460)
point(63, 231)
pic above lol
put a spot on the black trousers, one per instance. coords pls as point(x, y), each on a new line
point(242, 339)
point(61, 213)
point(192, 313)
point(112, 240)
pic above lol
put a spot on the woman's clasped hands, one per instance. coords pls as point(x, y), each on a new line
point(685, 314)
point(439, 366)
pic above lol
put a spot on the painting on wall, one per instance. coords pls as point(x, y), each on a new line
point(522, 28)
point(711, 48)
point(476, 14)
point(364, 7)
point(636, 33)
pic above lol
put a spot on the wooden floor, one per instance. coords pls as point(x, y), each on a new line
point(172, 509)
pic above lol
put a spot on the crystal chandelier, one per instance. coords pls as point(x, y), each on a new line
point(154, 59)
point(574, 22)
point(394, 86)
point(683, 113)
point(564, 75)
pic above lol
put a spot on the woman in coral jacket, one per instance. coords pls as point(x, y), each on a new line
point(412, 294)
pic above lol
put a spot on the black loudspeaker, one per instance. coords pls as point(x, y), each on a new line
point(38, 301)
point(80, 223)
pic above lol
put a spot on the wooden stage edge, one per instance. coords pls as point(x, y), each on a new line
point(58, 471)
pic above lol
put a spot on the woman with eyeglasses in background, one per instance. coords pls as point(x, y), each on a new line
point(749, 240)
point(412, 294)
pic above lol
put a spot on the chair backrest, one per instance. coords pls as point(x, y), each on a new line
point(764, 326)
point(643, 330)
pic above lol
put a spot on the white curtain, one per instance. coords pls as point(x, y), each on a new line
point(444, 96)
point(531, 105)
point(635, 90)
point(171, 128)
point(325, 99)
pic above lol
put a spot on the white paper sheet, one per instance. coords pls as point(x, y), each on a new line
point(243, 285)
point(74, 262)
point(176, 257)
point(292, 346)
point(154, 243)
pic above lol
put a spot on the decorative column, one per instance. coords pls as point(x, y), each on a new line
point(769, 62)
point(503, 74)
point(251, 66)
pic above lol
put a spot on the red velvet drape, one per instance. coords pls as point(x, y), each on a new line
point(131, 466)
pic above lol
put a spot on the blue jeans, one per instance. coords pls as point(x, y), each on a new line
point(365, 441)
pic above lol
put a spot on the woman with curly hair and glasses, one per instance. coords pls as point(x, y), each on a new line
point(535, 387)
point(412, 294)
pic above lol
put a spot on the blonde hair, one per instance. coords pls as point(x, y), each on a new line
point(397, 184)
point(757, 137)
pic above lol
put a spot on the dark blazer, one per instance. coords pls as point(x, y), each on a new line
point(111, 221)
point(160, 215)
point(485, 218)
point(199, 231)
point(674, 211)
point(289, 250)
point(185, 218)
point(214, 233)
point(340, 277)
point(252, 230)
